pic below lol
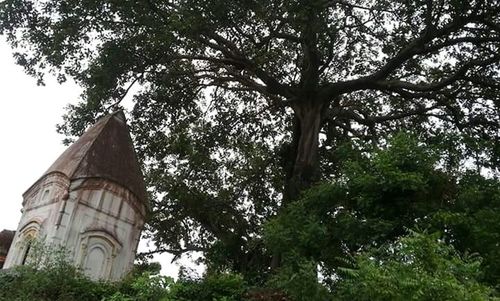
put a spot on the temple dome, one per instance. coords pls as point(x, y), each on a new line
point(104, 151)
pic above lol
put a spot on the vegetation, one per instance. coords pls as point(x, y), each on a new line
point(49, 277)
point(417, 267)
point(64, 283)
point(347, 239)
point(360, 223)
point(302, 145)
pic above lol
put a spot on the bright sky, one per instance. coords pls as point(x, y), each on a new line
point(28, 139)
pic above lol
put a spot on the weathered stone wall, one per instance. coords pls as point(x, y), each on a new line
point(103, 215)
point(98, 221)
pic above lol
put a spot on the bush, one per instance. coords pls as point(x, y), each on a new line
point(218, 287)
point(417, 267)
point(53, 283)
point(49, 277)
point(57, 280)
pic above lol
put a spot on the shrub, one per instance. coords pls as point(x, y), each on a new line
point(416, 267)
point(217, 287)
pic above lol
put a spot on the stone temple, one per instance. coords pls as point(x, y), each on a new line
point(92, 201)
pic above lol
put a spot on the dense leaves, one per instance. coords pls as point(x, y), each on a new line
point(213, 287)
point(417, 267)
point(48, 276)
point(354, 231)
point(60, 281)
point(374, 200)
point(472, 222)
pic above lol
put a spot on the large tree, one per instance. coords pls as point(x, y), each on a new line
point(240, 105)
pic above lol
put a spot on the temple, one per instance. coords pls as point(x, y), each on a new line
point(92, 201)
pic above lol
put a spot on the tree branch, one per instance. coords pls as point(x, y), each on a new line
point(231, 51)
point(412, 48)
point(458, 74)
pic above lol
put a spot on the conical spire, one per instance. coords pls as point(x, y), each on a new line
point(105, 151)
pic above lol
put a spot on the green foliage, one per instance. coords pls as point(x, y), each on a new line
point(373, 200)
point(472, 222)
point(298, 278)
point(142, 287)
point(361, 215)
point(142, 267)
point(417, 267)
point(46, 256)
point(49, 277)
point(55, 283)
point(219, 287)
point(62, 282)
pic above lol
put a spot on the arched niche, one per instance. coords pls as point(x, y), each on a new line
point(97, 252)
point(27, 236)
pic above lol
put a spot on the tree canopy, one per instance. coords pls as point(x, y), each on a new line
point(377, 200)
point(239, 106)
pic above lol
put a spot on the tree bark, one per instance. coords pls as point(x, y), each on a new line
point(304, 151)
point(301, 159)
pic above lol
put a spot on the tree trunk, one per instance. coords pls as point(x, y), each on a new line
point(302, 166)
point(304, 151)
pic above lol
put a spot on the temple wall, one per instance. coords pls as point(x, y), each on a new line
point(40, 207)
point(97, 221)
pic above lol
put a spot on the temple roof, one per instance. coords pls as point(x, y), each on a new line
point(105, 151)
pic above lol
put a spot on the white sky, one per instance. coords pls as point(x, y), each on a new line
point(28, 139)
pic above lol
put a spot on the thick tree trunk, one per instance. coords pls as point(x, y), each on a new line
point(304, 152)
point(302, 165)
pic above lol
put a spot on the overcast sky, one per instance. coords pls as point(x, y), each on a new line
point(28, 139)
